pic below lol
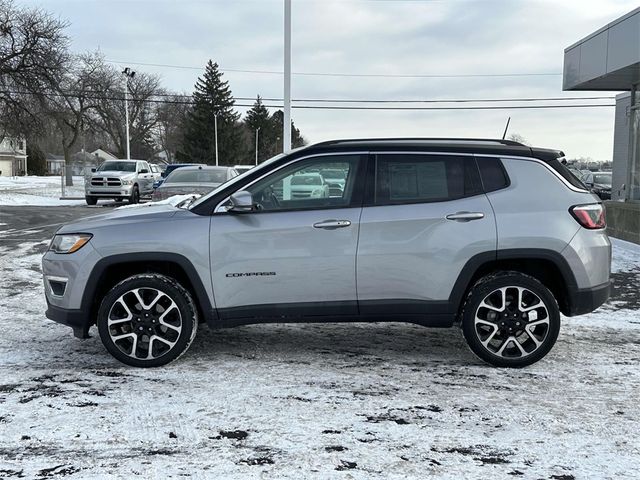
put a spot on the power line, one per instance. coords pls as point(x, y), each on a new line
point(346, 100)
point(326, 107)
point(342, 74)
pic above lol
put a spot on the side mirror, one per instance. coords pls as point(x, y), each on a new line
point(241, 202)
point(144, 170)
point(93, 169)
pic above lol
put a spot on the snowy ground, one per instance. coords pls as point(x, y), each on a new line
point(317, 401)
point(34, 190)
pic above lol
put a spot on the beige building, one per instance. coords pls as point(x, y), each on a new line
point(13, 157)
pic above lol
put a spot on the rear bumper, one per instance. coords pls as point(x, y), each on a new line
point(586, 300)
point(76, 319)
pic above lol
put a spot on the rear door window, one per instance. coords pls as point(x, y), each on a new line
point(422, 178)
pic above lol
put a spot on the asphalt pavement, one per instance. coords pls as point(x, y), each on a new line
point(33, 224)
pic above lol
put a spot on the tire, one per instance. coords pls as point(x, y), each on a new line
point(151, 336)
point(91, 200)
point(118, 199)
point(135, 195)
point(499, 323)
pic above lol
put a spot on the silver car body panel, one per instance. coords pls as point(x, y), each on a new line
point(279, 257)
point(414, 252)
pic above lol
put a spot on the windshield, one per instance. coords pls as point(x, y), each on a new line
point(239, 178)
point(306, 180)
point(334, 174)
point(117, 167)
point(602, 179)
point(183, 175)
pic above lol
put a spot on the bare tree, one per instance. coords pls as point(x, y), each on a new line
point(143, 112)
point(68, 98)
point(170, 126)
point(32, 46)
point(516, 137)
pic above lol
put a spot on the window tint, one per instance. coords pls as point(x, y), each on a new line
point(186, 175)
point(565, 173)
point(492, 173)
point(302, 186)
point(424, 178)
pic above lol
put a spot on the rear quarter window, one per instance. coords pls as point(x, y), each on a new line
point(565, 173)
point(494, 176)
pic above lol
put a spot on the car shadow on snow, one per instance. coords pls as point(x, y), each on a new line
point(342, 345)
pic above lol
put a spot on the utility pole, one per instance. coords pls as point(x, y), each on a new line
point(128, 73)
point(215, 126)
point(286, 138)
point(257, 130)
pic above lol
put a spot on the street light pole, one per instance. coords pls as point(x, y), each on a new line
point(286, 138)
point(215, 126)
point(128, 73)
point(257, 130)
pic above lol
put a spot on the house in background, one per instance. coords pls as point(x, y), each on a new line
point(103, 155)
point(55, 164)
point(13, 157)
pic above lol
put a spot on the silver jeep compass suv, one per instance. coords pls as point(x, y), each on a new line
point(491, 235)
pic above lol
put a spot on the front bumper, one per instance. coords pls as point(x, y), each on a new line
point(67, 305)
point(586, 300)
point(76, 319)
point(110, 192)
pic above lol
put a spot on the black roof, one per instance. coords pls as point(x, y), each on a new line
point(462, 145)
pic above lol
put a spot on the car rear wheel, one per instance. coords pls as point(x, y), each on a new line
point(147, 320)
point(91, 200)
point(510, 319)
point(135, 195)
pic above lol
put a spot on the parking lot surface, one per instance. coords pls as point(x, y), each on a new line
point(311, 401)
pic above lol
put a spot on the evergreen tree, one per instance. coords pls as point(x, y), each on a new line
point(258, 119)
point(212, 97)
point(36, 160)
point(277, 122)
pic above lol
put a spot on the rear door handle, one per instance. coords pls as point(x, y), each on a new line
point(465, 216)
point(332, 224)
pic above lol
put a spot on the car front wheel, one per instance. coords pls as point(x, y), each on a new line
point(135, 195)
point(510, 319)
point(147, 320)
point(91, 200)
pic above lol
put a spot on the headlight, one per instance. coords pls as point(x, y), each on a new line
point(127, 182)
point(69, 243)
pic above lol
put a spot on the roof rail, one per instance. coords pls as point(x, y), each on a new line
point(475, 141)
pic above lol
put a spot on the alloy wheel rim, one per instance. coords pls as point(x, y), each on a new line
point(144, 323)
point(512, 322)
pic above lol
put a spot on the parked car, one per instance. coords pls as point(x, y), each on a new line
point(491, 235)
point(156, 172)
point(599, 183)
point(242, 168)
point(305, 185)
point(196, 180)
point(170, 168)
point(120, 180)
point(335, 179)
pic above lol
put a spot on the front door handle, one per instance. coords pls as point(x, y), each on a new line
point(465, 216)
point(332, 224)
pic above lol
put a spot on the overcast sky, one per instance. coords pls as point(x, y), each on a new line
point(413, 37)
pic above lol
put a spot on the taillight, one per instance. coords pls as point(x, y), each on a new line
point(589, 216)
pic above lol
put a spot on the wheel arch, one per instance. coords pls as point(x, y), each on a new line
point(110, 270)
point(547, 266)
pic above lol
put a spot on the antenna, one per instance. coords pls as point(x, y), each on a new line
point(506, 128)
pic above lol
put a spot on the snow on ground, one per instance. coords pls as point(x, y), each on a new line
point(353, 401)
point(39, 190)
